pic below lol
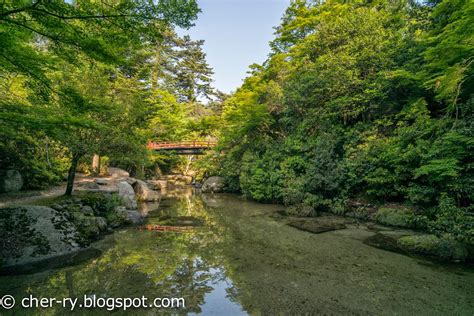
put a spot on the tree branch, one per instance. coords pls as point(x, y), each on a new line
point(5, 14)
point(83, 17)
point(52, 37)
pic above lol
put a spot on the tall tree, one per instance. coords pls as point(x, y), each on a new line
point(193, 76)
point(41, 39)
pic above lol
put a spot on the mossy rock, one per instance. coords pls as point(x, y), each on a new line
point(383, 242)
point(444, 248)
point(83, 211)
point(318, 225)
point(398, 217)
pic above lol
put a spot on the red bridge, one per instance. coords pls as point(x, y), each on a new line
point(191, 147)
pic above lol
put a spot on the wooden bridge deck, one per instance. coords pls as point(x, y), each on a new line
point(181, 145)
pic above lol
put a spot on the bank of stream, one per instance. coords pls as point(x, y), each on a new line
point(239, 257)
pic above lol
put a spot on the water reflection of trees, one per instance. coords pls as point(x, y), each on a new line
point(162, 264)
point(150, 263)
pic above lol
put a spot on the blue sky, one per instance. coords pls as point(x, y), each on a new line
point(236, 34)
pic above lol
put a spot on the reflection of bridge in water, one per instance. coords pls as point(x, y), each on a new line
point(191, 147)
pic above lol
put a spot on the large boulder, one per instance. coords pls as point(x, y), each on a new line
point(131, 181)
point(213, 185)
point(134, 217)
point(387, 239)
point(127, 194)
point(10, 181)
point(144, 193)
point(29, 234)
point(129, 216)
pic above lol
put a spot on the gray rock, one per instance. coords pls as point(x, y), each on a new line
point(87, 210)
point(101, 223)
point(100, 181)
point(131, 181)
point(126, 192)
point(120, 209)
point(10, 181)
point(29, 234)
point(213, 185)
point(144, 193)
point(132, 217)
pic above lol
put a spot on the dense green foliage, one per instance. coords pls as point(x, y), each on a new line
point(369, 100)
point(366, 100)
point(84, 77)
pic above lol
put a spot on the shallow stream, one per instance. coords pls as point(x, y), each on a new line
point(240, 258)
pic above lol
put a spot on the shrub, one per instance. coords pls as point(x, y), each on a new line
point(400, 217)
point(260, 177)
point(101, 203)
point(86, 227)
point(448, 218)
point(339, 207)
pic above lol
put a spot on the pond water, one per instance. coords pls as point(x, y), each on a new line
point(242, 259)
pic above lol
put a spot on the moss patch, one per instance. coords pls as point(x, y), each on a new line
point(445, 248)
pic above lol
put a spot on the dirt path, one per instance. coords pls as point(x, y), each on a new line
point(28, 197)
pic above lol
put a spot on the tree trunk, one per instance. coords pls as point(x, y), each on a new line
point(72, 173)
point(96, 165)
point(47, 155)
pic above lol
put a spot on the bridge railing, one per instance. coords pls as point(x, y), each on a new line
point(180, 144)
